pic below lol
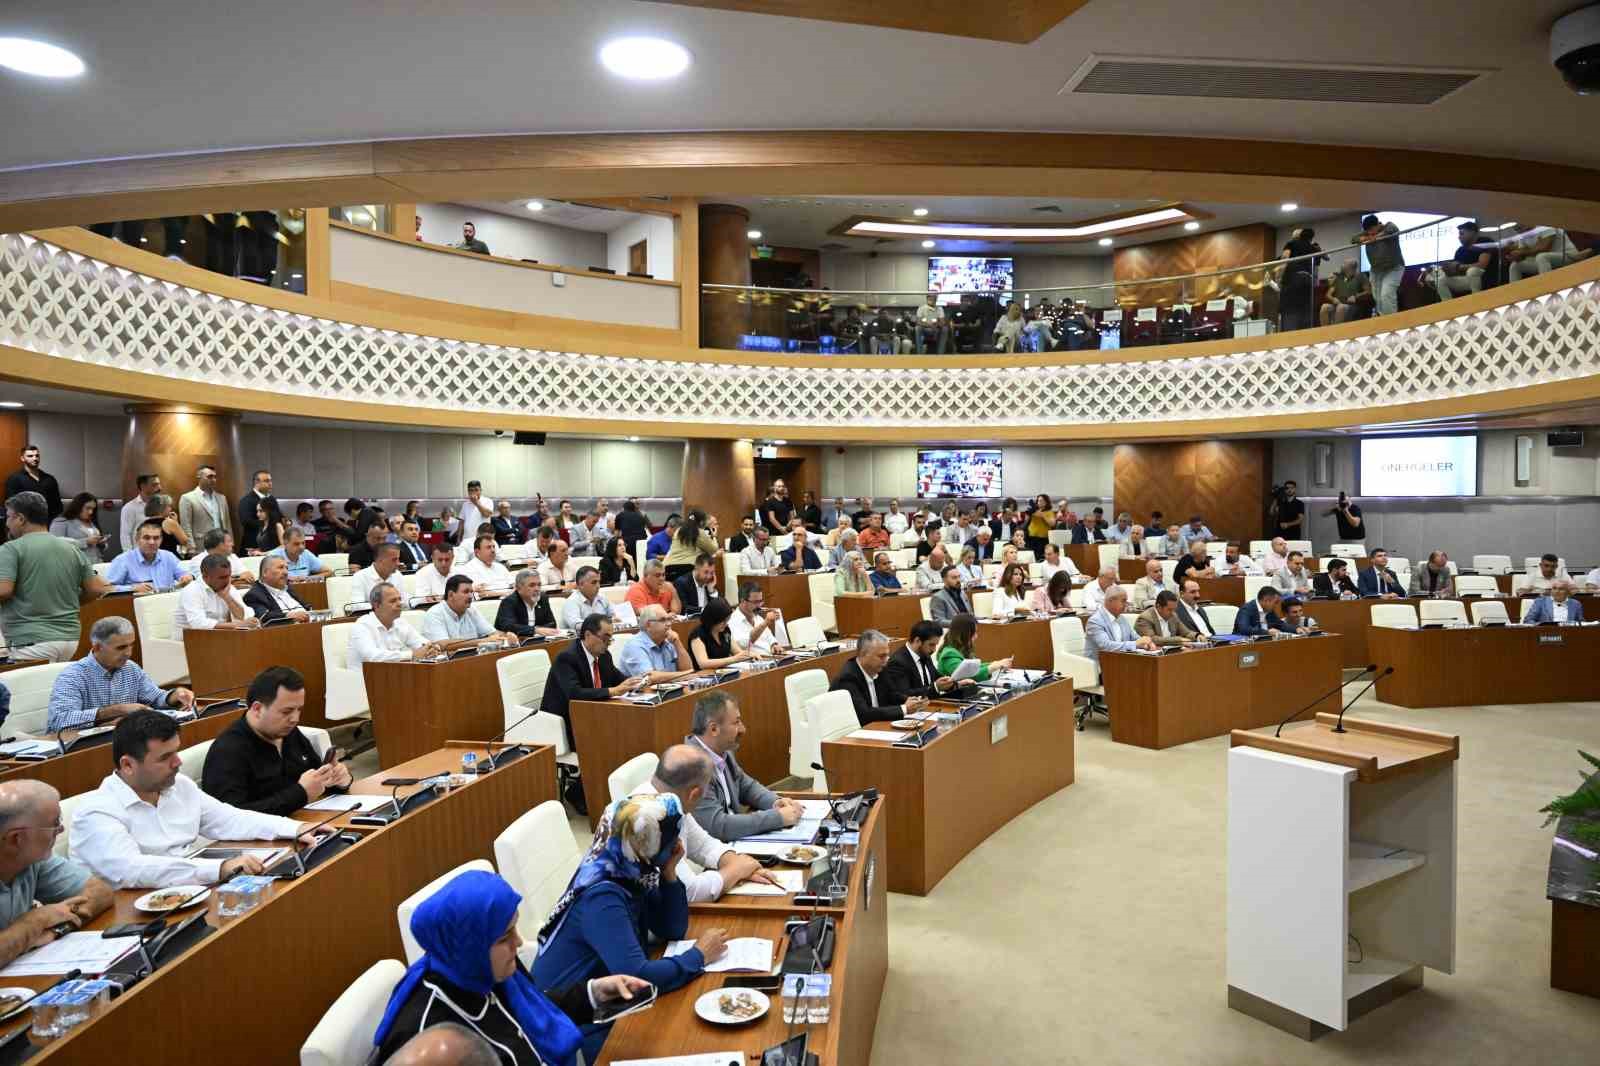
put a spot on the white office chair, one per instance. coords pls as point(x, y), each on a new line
point(982, 604)
point(926, 605)
point(1060, 537)
point(69, 806)
point(1168, 568)
point(409, 905)
point(339, 594)
point(1301, 546)
point(101, 568)
point(536, 855)
point(488, 610)
point(781, 544)
point(1075, 598)
point(832, 714)
point(1493, 564)
point(522, 676)
point(1489, 612)
point(250, 564)
point(804, 632)
point(1216, 548)
point(1221, 616)
point(908, 579)
point(30, 696)
point(346, 688)
point(639, 549)
point(1348, 551)
point(192, 760)
point(1394, 615)
point(905, 558)
point(512, 553)
point(1258, 548)
point(822, 608)
point(1131, 588)
point(1523, 607)
point(1521, 583)
point(344, 1035)
point(414, 618)
point(1398, 563)
point(1025, 557)
point(630, 775)
point(1452, 612)
point(1068, 660)
point(799, 688)
point(558, 607)
point(337, 562)
point(160, 639)
point(408, 586)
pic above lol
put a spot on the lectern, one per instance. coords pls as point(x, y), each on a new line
point(1341, 869)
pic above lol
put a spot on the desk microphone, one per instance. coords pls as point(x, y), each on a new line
point(494, 757)
point(1338, 727)
point(1335, 689)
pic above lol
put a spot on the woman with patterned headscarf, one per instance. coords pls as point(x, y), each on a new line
point(626, 888)
point(469, 975)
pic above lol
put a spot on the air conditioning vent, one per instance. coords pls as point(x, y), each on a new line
point(1237, 79)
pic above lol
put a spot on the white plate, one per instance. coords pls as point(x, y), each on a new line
point(23, 994)
point(708, 1006)
point(905, 723)
point(821, 853)
point(143, 902)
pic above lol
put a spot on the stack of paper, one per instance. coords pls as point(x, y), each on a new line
point(872, 734)
point(752, 954)
point(714, 1058)
point(89, 952)
point(29, 747)
point(349, 803)
point(788, 881)
point(802, 832)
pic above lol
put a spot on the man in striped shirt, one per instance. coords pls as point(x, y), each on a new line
point(103, 685)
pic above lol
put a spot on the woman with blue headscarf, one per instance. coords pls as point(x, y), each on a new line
point(470, 975)
point(626, 888)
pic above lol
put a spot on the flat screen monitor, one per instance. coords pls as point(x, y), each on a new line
point(1419, 466)
point(1435, 241)
point(953, 275)
point(947, 472)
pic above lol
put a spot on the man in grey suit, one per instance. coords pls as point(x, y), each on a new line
point(1557, 605)
point(203, 508)
point(949, 601)
point(930, 575)
point(717, 728)
point(1108, 630)
point(1161, 623)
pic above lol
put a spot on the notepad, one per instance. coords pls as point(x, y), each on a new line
point(349, 803)
point(748, 954)
point(27, 747)
point(788, 881)
point(872, 734)
point(89, 952)
point(713, 1058)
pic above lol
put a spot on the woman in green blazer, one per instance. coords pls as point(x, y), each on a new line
point(958, 641)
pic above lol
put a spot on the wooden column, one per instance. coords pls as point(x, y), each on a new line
point(724, 260)
point(319, 258)
point(173, 440)
point(719, 477)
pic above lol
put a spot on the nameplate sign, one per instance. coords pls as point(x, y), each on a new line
point(1249, 659)
point(1146, 314)
point(1552, 638)
point(1113, 316)
point(1216, 305)
point(999, 729)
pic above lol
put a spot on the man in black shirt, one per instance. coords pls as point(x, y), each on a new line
point(1288, 514)
point(741, 540)
point(362, 554)
point(632, 525)
point(29, 478)
point(263, 762)
point(862, 513)
point(1348, 516)
point(776, 509)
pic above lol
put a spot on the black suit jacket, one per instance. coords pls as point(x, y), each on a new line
point(506, 530)
point(512, 617)
point(1196, 620)
point(570, 680)
point(259, 600)
point(984, 552)
point(1081, 535)
point(901, 680)
point(1322, 585)
point(853, 681)
point(248, 529)
point(361, 555)
point(688, 595)
point(413, 555)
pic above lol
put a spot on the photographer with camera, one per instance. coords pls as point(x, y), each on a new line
point(1288, 514)
point(1348, 515)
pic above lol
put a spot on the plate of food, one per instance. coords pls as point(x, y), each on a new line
point(905, 723)
point(732, 1006)
point(803, 854)
point(12, 999)
point(165, 900)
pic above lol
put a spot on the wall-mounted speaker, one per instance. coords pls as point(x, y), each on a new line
point(528, 438)
point(1524, 472)
point(1565, 438)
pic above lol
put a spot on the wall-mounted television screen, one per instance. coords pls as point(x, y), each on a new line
point(1419, 466)
point(1436, 240)
point(953, 275)
point(946, 472)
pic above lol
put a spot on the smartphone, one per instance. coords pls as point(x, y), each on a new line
point(791, 1052)
point(610, 1012)
point(761, 982)
point(400, 781)
point(125, 929)
point(331, 757)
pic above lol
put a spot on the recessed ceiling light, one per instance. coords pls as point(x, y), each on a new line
point(927, 244)
point(10, 403)
point(1191, 226)
point(780, 442)
point(1105, 242)
point(39, 59)
point(754, 235)
point(535, 205)
point(1290, 206)
point(633, 440)
point(920, 212)
point(644, 58)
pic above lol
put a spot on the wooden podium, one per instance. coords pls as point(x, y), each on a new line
point(1341, 869)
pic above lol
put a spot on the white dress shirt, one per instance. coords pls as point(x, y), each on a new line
point(474, 516)
point(366, 580)
point(441, 623)
point(1246, 566)
point(755, 560)
point(740, 628)
point(576, 609)
point(130, 844)
point(283, 599)
point(370, 642)
point(192, 565)
point(549, 575)
point(896, 522)
point(1558, 611)
point(430, 583)
point(1004, 606)
point(701, 853)
point(1049, 569)
point(494, 575)
point(1291, 583)
point(201, 608)
point(1094, 596)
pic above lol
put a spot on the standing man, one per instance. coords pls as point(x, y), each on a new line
point(43, 581)
point(776, 509)
point(38, 890)
point(1288, 513)
point(260, 493)
point(736, 805)
point(1388, 265)
point(475, 510)
point(203, 508)
point(1348, 516)
point(132, 516)
point(469, 240)
point(30, 478)
point(263, 762)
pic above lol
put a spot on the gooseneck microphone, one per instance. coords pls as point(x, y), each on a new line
point(1335, 689)
point(1338, 727)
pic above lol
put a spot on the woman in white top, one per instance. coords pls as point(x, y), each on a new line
point(1055, 562)
point(1008, 331)
point(1010, 598)
point(971, 572)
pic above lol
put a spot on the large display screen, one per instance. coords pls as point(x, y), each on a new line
point(954, 275)
point(1436, 240)
point(944, 472)
point(1419, 466)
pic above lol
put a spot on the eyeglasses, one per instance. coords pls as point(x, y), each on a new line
point(54, 830)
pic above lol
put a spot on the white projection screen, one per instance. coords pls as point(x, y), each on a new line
point(1419, 466)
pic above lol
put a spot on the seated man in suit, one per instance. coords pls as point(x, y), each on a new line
point(1089, 531)
point(911, 670)
point(883, 576)
point(1134, 545)
point(1108, 629)
point(930, 575)
point(863, 678)
point(949, 601)
point(1152, 585)
point(799, 556)
point(1259, 617)
point(1336, 583)
point(1161, 623)
point(699, 586)
point(1378, 579)
point(584, 671)
point(271, 598)
point(1557, 605)
point(983, 545)
point(1294, 579)
point(1191, 614)
point(735, 806)
point(526, 612)
point(413, 553)
point(506, 528)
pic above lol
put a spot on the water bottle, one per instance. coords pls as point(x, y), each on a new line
point(469, 762)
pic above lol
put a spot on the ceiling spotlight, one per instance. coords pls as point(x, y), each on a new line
point(1290, 206)
point(644, 58)
point(10, 403)
point(921, 212)
point(754, 235)
point(535, 205)
point(1191, 226)
point(927, 244)
point(39, 59)
point(1105, 242)
point(780, 442)
point(633, 440)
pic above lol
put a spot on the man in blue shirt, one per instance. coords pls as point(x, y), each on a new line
point(883, 575)
point(656, 653)
point(661, 542)
point(1474, 267)
point(1260, 617)
point(146, 567)
point(293, 551)
point(1195, 530)
point(103, 685)
point(65, 892)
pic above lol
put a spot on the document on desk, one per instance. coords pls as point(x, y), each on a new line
point(801, 832)
point(713, 1058)
point(815, 808)
point(28, 747)
point(749, 954)
point(873, 734)
point(788, 881)
point(349, 803)
point(89, 952)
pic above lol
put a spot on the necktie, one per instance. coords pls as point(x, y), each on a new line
point(1136, 547)
point(922, 665)
point(596, 664)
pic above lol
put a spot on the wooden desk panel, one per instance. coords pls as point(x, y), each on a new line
point(1158, 701)
point(1222, 590)
point(83, 770)
point(1027, 642)
point(610, 732)
point(891, 615)
point(789, 593)
point(231, 658)
point(1474, 666)
point(308, 941)
point(314, 591)
point(1086, 557)
point(948, 798)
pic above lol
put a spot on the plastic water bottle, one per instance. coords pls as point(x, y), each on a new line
point(469, 762)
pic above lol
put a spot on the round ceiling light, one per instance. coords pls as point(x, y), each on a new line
point(1105, 242)
point(1289, 206)
point(927, 244)
point(754, 234)
point(921, 212)
point(10, 403)
point(535, 205)
point(1191, 226)
point(42, 60)
point(644, 58)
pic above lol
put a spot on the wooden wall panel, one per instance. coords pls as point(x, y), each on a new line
point(1224, 481)
point(1222, 250)
point(13, 436)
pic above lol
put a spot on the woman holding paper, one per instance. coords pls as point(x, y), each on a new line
point(958, 641)
point(625, 888)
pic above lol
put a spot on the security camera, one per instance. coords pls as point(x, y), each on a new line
point(1575, 49)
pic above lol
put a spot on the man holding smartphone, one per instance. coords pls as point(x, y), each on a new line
point(263, 762)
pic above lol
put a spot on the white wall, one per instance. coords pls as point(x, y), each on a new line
point(514, 238)
point(846, 271)
point(1078, 472)
point(657, 230)
point(84, 452)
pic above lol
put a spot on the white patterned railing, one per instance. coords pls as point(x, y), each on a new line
point(60, 303)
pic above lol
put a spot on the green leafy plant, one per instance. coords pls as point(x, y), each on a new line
point(1583, 803)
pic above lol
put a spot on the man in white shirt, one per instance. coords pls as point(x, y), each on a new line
point(381, 636)
point(1293, 579)
point(1551, 570)
point(486, 572)
point(385, 570)
point(135, 830)
point(1277, 557)
point(218, 542)
point(1592, 579)
point(430, 579)
point(686, 773)
point(586, 599)
point(1054, 562)
point(558, 570)
point(455, 620)
point(133, 511)
point(758, 556)
point(475, 510)
point(752, 627)
point(895, 521)
point(1235, 564)
point(1094, 593)
point(213, 602)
